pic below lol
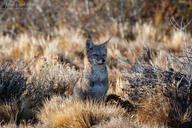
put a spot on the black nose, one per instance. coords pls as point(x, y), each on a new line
point(103, 61)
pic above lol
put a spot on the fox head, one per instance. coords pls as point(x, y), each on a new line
point(96, 53)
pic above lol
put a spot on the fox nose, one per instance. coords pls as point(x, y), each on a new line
point(101, 61)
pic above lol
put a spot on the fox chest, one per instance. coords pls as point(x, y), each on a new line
point(98, 84)
point(98, 90)
point(98, 77)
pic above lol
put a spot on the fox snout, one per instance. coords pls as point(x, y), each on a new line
point(100, 61)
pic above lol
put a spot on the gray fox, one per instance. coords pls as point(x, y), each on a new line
point(95, 84)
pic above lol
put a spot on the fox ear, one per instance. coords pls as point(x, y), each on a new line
point(106, 43)
point(89, 43)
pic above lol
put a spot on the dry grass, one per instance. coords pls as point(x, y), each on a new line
point(8, 113)
point(118, 123)
point(72, 114)
point(36, 68)
point(39, 71)
point(154, 111)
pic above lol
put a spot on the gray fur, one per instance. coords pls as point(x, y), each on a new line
point(95, 85)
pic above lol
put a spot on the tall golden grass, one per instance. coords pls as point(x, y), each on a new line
point(50, 67)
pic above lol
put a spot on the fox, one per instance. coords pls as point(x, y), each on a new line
point(95, 84)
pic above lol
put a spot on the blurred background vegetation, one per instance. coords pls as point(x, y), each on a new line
point(42, 55)
point(34, 16)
